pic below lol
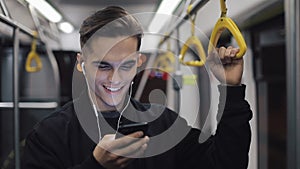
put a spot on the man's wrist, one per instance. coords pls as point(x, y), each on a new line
point(232, 93)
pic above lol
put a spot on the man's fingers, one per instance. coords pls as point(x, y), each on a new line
point(139, 153)
point(223, 56)
point(125, 155)
point(234, 51)
point(128, 139)
point(107, 143)
point(222, 51)
point(228, 51)
point(132, 148)
point(227, 55)
point(118, 153)
point(108, 137)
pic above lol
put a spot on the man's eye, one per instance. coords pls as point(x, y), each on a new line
point(127, 66)
point(104, 67)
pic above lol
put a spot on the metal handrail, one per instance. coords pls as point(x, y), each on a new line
point(14, 24)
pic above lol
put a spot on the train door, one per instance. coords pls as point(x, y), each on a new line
point(268, 41)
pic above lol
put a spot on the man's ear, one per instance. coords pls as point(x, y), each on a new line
point(79, 61)
point(141, 59)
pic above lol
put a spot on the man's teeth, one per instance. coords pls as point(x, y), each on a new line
point(113, 89)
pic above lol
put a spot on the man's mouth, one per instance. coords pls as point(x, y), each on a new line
point(112, 89)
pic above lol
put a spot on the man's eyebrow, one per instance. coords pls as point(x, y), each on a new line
point(129, 62)
point(108, 64)
point(101, 62)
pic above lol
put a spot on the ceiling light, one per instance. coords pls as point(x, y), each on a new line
point(66, 27)
point(166, 8)
point(46, 10)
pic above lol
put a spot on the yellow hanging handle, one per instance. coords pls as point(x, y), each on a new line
point(164, 61)
point(193, 41)
point(33, 56)
point(223, 23)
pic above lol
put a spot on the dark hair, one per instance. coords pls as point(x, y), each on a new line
point(111, 21)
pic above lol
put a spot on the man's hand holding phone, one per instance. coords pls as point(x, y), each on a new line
point(127, 129)
point(114, 153)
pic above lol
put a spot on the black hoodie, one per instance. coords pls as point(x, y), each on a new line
point(67, 138)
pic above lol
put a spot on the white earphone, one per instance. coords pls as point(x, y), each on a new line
point(82, 66)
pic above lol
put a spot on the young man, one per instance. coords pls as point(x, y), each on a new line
point(81, 134)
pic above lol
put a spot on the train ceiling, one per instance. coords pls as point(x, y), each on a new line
point(77, 10)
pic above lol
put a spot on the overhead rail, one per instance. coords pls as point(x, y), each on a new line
point(184, 16)
point(14, 24)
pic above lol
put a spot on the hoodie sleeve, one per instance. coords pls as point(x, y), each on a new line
point(229, 147)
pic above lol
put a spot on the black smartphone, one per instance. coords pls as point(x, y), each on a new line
point(131, 128)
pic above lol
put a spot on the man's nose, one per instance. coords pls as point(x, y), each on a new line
point(114, 76)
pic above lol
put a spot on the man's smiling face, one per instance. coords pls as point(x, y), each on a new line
point(111, 68)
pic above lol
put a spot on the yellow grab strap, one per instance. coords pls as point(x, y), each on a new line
point(164, 61)
point(33, 56)
point(223, 8)
point(223, 23)
point(193, 41)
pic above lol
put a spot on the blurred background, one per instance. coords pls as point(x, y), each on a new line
point(270, 29)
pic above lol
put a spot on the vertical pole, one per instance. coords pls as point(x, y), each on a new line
point(16, 98)
point(293, 81)
point(178, 80)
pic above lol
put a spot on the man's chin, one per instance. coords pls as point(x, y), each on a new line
point(113, 104)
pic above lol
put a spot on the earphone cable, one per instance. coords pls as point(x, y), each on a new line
point(119, 120)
